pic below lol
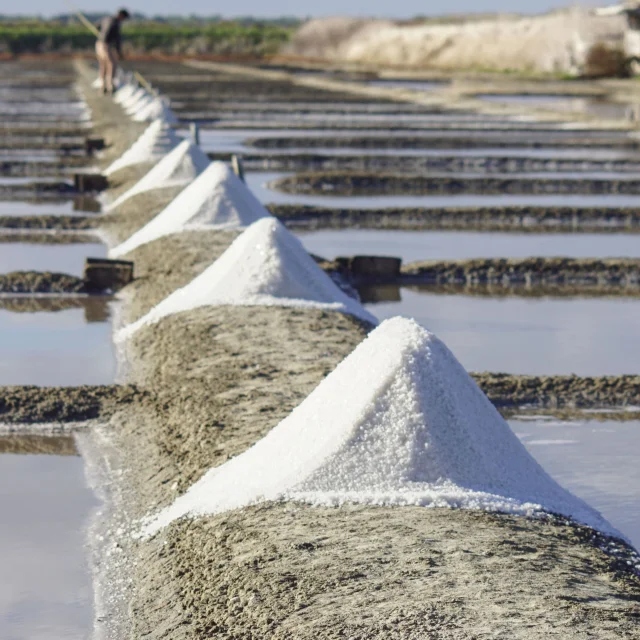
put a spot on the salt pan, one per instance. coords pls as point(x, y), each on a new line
point(217, 199)
point(157, 140)
point(399, 422)
point(265, 266)
point(177, 168)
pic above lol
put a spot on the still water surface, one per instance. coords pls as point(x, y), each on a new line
point(597, 461)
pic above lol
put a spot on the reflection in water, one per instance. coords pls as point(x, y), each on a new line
point(414, 246)
point(60, 347)
point(598, 461)
point(58, 258)
point(536, 336)
point(50, 206)
point(45, 591)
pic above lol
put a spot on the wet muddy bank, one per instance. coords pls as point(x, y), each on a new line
point(520, 219)
point(57, 405)
point(30, 282)
point(47, 223)
point(31, 444)
point(291, 571)
point(508, 391)
point(613, 274)
point(434, 142)
point(423, 164)
point(356, 184)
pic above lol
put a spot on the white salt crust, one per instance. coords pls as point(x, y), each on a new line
point(399, 422)
point(125, 92)
point(216, 199)
point(265, 266)
point(136, 96)
point(139, 104)
point(156, 108)
point(178, 168)
point(157, 141)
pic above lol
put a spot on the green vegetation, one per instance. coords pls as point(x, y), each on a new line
point(167, 37)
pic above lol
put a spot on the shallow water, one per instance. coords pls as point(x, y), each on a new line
point(45, 591)
point(451, 245)
point(417, 85)
point(60, 258)
point(53, 206)
point(56, 348)
point(233, 141)
point(597, 461)
point(257, 182)
point(531, 336)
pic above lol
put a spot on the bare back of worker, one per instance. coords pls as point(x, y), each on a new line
point(109, 48)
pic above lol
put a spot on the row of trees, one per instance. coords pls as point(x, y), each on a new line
point(186, 37)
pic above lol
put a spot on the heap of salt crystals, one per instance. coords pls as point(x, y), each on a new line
point(156, 108)
point(135, 107)
point(398, 422)
point(216, 199)
point(157, 141)
point(125, 92)
point(264, 266)
point(178, 168)
point(134, 98)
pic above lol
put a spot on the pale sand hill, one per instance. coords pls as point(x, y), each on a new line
point(552, 43)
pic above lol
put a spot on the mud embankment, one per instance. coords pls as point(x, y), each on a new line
point(458, 142)
point(363, 184)
point(42, 282)
point(31, 405)
point(519, 219)
point(373, 163)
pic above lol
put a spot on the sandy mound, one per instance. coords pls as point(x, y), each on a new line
point(399, 422)
point(217, 199)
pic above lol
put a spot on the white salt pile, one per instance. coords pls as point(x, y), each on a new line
point(125, 92)
point(181, 166)
point(399, 422)
point(156, 108)
point(136, 96)
point(139, 104)
point(217, 199)
point(265, 266)
point(157, 140)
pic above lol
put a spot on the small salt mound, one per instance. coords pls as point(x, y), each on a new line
point(155, 109)
point(125, 92)
point(399, 422)
point(97, 83)
point(136, 96)
point(157, 140)
point(217, 199)
point(139, 105)
point(265, 266)
point(181, 166)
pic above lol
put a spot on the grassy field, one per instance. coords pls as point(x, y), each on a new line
point(218, 38)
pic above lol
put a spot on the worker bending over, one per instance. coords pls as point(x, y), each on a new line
point(109, 48)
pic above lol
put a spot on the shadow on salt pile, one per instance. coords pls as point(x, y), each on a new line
point(414, 429)
point(177, 168)
point(264, 266)
point(156, 142)
point(217, 199)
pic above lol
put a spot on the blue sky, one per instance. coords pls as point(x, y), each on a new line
point(397, 8)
